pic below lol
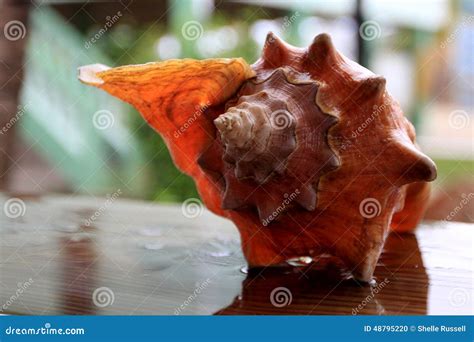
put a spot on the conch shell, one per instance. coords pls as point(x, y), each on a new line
point(305, 150)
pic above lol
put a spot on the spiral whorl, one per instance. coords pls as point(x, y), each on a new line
point(249, 131)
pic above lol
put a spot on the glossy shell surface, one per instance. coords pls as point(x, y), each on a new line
point(305, 150)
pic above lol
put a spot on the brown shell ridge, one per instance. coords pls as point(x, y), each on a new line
point(290, 74)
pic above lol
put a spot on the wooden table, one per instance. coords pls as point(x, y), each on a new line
point(139, 258)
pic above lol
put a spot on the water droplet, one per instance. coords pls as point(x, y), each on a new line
point(220, 254)
point(300, 261)
point(244, 269)
point(79, 237)
point(153, 246)
point(372, 282)
point(218, 248)
point(158, 263)
point(151, 231)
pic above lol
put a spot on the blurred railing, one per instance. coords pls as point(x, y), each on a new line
point(78, 129)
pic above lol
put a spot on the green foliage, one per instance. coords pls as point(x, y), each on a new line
point(453, 171)
point(166, 182)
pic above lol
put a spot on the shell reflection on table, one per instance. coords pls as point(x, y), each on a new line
point(76, 255)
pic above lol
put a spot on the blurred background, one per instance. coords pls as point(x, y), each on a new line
point(57, 135)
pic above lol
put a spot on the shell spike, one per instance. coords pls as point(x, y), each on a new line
point(371, 88)
point(322, 49)
point(307, 197)
point(274, 50)
point(414, 165)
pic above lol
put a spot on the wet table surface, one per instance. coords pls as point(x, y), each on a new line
point(77, 255)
